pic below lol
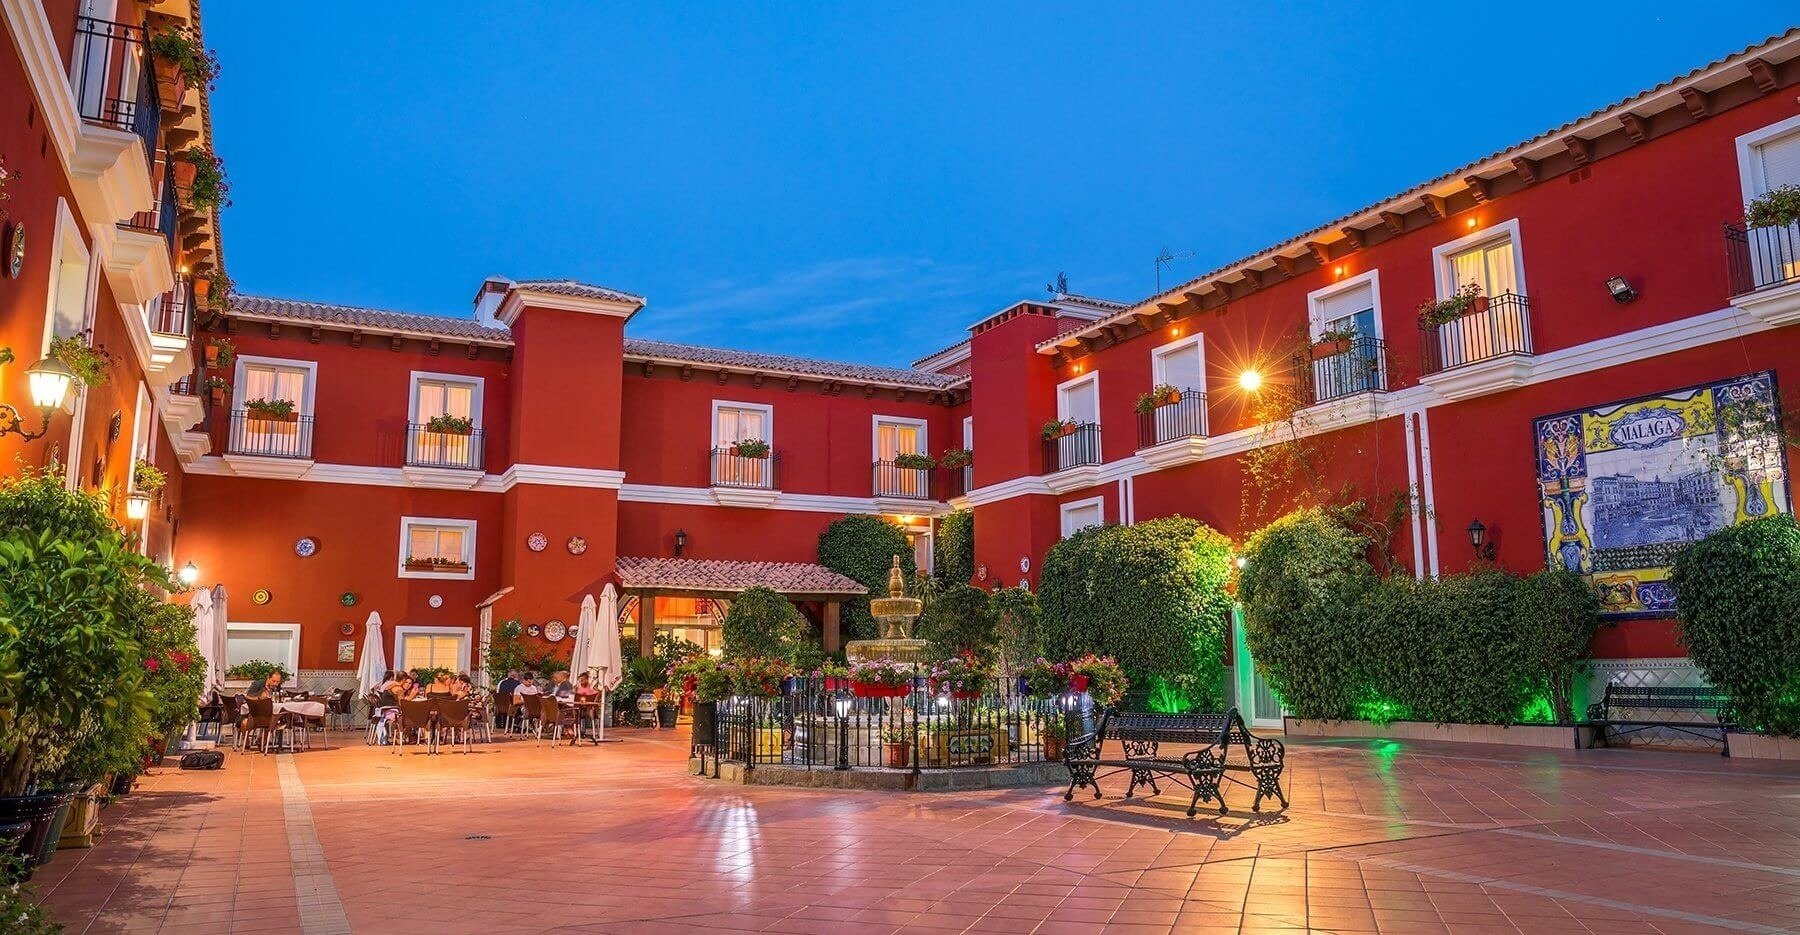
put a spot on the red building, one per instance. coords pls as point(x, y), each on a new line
point(1567, 412)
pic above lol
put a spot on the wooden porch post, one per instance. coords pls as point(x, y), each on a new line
point(829, 627)
point(647, 625)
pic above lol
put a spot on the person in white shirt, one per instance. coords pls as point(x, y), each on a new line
point(528, 687)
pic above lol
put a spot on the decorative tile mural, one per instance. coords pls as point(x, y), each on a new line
point(1624, 486)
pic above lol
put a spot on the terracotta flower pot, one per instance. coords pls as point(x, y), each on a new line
point(171, 85)
point(1078, 683)
point(218, 396)
point(257, 415)
point(1053, 747)
point(896, 755)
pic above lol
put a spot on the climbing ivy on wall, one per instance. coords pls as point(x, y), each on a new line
point(953, 552)
point(1737, 592)
point(863, 548)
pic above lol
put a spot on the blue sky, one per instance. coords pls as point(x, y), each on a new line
point(863, 181)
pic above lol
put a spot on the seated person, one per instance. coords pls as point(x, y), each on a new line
point(265, 688)
point(461, 688)
point(584, 689)
point(561, 687)
point(527, 688)
point(440, 685)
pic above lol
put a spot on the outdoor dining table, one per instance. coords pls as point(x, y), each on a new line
point(583, 709)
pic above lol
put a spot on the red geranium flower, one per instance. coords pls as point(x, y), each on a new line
point(152, 664)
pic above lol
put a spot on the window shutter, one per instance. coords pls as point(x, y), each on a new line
point(1780, 159)
point(1346, 303)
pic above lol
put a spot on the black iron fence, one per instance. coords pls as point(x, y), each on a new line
point(1078, 448)
point(822, 723)
point(1346, 368)
point(1183, 418)
point(172, 311)
point(253, 433)
point(113, 81)
point(730, 469)
point(1493, 327)
point(1760, 257)
point(461, 450)
point(892, 480)
point(161, 218)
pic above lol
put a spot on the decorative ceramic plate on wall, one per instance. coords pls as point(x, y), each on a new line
point(435, 600)
point(537, 542)
point(346, 628)
point(533, 630)
point(306, 547)
point(261, 596)
point(554, 631)
point(348, 598)
point(577, 545)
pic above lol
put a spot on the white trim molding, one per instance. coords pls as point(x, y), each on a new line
point(465, 526)
point(1316, 298)
point(466, 635)
point(1097, 504)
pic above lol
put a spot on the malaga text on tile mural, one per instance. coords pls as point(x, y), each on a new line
point(1626, 485)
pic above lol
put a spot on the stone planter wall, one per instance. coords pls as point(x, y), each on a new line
point(83, 826)
point(1764, 747)
point(1559, 737)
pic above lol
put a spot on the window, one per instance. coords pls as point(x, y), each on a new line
point(739, 422)
point(893, 437)
point(1499, 322)
point(431, 647)
point(437, 548)
point(1081, 514)
point(444, 394)
point(1078, 401)
point(1768, 159)
point(68, 311)
point(1182, 365)
point(269, 642)
point(1349, 307)
point(272, 379)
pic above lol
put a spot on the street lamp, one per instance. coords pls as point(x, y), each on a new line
point(49, 380)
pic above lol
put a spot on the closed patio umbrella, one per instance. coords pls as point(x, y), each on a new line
point(608, 659)
point(221, 624)
point(374, 659)
point(203, 613)
point(582, 659)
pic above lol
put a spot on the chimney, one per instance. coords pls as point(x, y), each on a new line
point(488, 298)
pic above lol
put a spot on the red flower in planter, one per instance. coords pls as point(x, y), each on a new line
point(151, 664)
point(181, 660)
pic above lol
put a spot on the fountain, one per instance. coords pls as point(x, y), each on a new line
point(896, 614)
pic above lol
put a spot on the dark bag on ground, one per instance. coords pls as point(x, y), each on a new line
point(203, 759)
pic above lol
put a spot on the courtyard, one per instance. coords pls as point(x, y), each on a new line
point(513, 837)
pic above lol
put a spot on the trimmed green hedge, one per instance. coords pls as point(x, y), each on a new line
point(1737, 593)
point(762, 623)
point(863, 548)
point(1152, 596)
point(1335, 641)
point(953, 551)
point(960, 617)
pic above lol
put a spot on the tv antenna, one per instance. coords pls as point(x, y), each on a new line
point(1059, 287)
point(1166, 258)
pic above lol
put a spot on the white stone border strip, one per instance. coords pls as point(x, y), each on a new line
point(321, 911)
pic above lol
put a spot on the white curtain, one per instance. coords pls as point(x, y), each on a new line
point(897, 438)
point(443, 398)
point(736, 425)
point(1489, 331)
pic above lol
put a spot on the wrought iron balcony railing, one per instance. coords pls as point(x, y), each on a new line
point(161, 219)
point(252, 433)
point(425, 448)
point(1079, 448)
point(172, 312)
point(891, 480)
point(1184, 418)
point(113, 81)
point(1761, 257)
point(1495, 326)
point(730, 469)
point(958, 480)
point(1355, 366)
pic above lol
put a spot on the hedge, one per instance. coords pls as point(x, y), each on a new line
point(953, 551)
point(863, 548)
point(1335, 641)
point(762, 624)
point(960, 618)
point(1737, 594)
point(1153, 596)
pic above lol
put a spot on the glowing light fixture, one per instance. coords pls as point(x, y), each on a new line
point(1251, 380)
point(49, 380)
point(137, 506)
point(1471, 223)
point(189, 573)
point(1241, 562)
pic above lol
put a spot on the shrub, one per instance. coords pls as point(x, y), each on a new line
point(1556, 616)
point(756, 677)
point(701, 679)
point(960, 619)
point(863, 548)
point(20, 911)
point(954, 549)
point(257, 670)
point(1021, 629)
point(506, 651)
point(1737, 593)
point(1302, 576)
point(762, 623)
point(1150, 595)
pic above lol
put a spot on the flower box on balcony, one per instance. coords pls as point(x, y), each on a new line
point(1054, 429)
point(171, 84)
point(442, 565)
point(268, 415)
point(750, 448)
point(450, 425)
point(1157, 398)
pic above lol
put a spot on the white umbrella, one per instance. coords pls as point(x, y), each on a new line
point(583, 659)
point(374, 659)
point(202, 606)
point(608, 659)
point(221, 624)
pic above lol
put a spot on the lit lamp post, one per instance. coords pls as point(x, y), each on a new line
point(841, 703)
point(49, 380)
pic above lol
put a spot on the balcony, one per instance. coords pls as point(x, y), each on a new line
point(184, 414)
point(114, 92)
point(1486, 350)
point(958, 481)
point(1347, 368)
point(1175, 433)
point(1072, 460)
point(742, 480)
point(1764, 264)
point(901, 485)
point(160, 219)
point(444, 459)
point(259, 446)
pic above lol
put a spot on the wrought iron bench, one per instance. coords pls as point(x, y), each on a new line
point(1608, 714)
point(1139, 738)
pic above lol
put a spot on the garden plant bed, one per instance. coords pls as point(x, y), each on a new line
point(1764, 747)
point(894, 780)
point(1554, 736)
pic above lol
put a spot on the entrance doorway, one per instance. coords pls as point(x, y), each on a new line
point(1256, 701)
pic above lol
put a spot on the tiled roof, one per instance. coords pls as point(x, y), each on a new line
point(350, 316)
point(781, 363)
point(700, 574)
point(586, 290)
point(1458, 175)
point(1088, 300)
point(940, 352)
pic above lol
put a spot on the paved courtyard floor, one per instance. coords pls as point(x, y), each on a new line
point(1381, 836)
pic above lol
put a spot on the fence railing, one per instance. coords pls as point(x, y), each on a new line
point(822, 724)
point(1076, 449)
point(172, 312)
point(1760, 257)
point(161, 218)
point(891, 480)
point(425, 448)
point(1493, 327)
point(734, 470)
point(252, 433)
point(958, 481)
point(1359, 366)
point(1184, 418)
point(113, 82)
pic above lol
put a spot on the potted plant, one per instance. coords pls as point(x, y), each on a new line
point(146, 477)
point(880, 678)
point(179, 62)
point(704, 683)
point(962, 676)
point(1042, 678)
point(668, 704)
point(1332, 342)
point(6, 175)
point(1162, 395)
point(270, 410)
point(216, 387)
point(1054, 731)
point(88, 362)
point(256, 670)
point(750, 448)
point(1462, 302)
point(914, 461)
point(957, 458)
point(436, 563)
point(1778, 207)
point(218, 288)
point(896, 748)
point(220, 353)
point(756, 677)
point(447, 424)
point(835, 676)
point(1057, 428)
point(208, 187)
point(1100, 677)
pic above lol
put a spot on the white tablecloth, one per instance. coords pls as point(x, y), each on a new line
point(302, 708)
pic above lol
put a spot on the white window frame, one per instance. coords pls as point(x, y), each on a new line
point(875, 423)
point(1159, 371)
point(1062, 395)
point(1315, 300)
point(1064, 509)
point(478, 384)
point(968, 432)
point(466, 525)
point(304, 405)
point(1441, 254)
point(1750, 177)
point(291, 664)
point(768, 414)
point(402, 632)
point(67, 234)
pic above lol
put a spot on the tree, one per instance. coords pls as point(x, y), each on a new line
point(960, 618)
point(863, 548)
point(953, 551)
point(1021, 628)
point(1737, 592)
point(761, 623)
